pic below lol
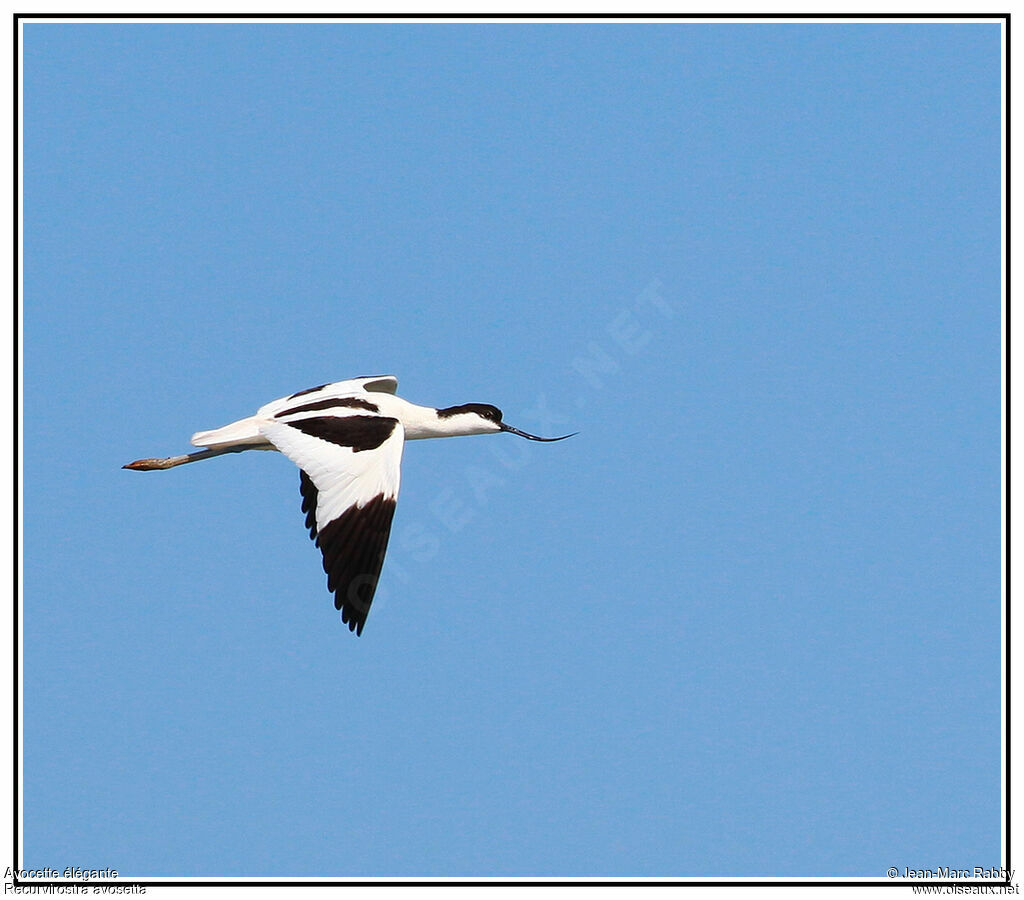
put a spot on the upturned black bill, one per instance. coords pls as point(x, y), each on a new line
point(534, 437)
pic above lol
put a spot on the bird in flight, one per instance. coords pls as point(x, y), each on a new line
point(346, 438)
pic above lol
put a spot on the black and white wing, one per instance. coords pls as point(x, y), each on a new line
point(325, 396)
point(350, 462)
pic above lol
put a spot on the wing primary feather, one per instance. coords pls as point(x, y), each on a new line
point(333, 543)
point(361, 584)
point(354, 547)
point(309, 497)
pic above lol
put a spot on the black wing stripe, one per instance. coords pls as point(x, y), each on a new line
point(353, 547)
point(311, 390)
point(357, 432)
point(331, 403)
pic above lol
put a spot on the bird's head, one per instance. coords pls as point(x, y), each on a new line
point(482, 418)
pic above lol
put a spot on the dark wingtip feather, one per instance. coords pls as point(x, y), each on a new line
point(309, 497)
point(353, 547)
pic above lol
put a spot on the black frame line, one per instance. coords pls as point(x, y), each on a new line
point(525, 882)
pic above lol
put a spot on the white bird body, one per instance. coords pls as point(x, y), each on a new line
point(347, 439)
point(419, 422)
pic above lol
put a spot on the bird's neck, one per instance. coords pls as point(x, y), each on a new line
point(421, 422)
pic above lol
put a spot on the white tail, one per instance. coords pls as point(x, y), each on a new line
point(244, 432)
point(234, 438)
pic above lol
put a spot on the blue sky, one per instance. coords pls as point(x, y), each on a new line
point(745, 624)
